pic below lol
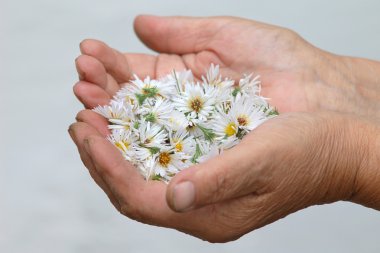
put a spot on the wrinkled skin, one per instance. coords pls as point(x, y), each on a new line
point(320, 149)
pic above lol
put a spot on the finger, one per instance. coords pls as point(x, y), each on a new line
point(234, 173)
point(95, 120)
point(166, 63)
point(154, 66)
point(177, 35)
point(142, 64)
point(114, 62)
point(78, 132)
point(145, 201)
point(92, 70)
point(141, 200)
point(90, 95)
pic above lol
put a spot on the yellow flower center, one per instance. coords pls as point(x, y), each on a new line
point(243, 120)
point(145, 89)
point(179, 147)
point(129, 100)
point(122, 145)
point(164, 159)
point(230, 129)
point(196, 104)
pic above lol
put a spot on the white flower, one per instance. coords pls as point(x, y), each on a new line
point(168, 162)
point(182, 142)
point(178, 79)
point(151, 135)
point(248, 86)
point(113, 111)
point(144, 153)
point(148, 89)
point(222, 87)
point(124, 141)
point(246, 114)
point(225, 125)
point(166, 125)
point(194, 102)
point(126, 96)
point(146, 167)
point(160, 112)
point(177, 121)
point(213, 151)
point(126, 122)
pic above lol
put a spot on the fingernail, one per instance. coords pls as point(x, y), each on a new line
point(183, 196)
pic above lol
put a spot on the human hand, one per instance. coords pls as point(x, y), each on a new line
point(286, 164)
point(295, 75)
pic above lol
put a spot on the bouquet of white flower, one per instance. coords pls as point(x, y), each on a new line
point(164, 126)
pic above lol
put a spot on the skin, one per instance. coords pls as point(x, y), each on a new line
point(321, 149)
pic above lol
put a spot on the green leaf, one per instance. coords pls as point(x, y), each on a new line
point(150, 117)
point(176, 80)
point(156, 178)
point(140, 98)
point(207, 132)
point(272, 112)
point(150, 92)
point(197, 154)
point(236, 91)
point(154, 150)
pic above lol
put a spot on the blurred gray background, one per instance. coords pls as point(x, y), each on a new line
point(48, 202)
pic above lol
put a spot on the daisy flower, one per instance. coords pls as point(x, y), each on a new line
point(113, 111)
point(248, 86)
point(151, 135)
point(178, 79)
point(246, 114)
point(124, 141)
point(168, 162)
point(177, 121)
point(164, 126)
point(182, 142)
point(160, 112)
point(226, 128)
point(194, 102)
point(214, 78)
point(126, 96)
point(148, 89)
point(213, 151)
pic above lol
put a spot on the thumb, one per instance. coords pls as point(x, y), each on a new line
point(177, 35)
point(235, 173)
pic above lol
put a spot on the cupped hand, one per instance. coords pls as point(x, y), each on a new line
point(288, 163)
point(295, 75)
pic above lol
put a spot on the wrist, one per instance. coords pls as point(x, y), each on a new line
point(346, 84)
point(363, 75)
point(366, 190)
point(344, 150)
